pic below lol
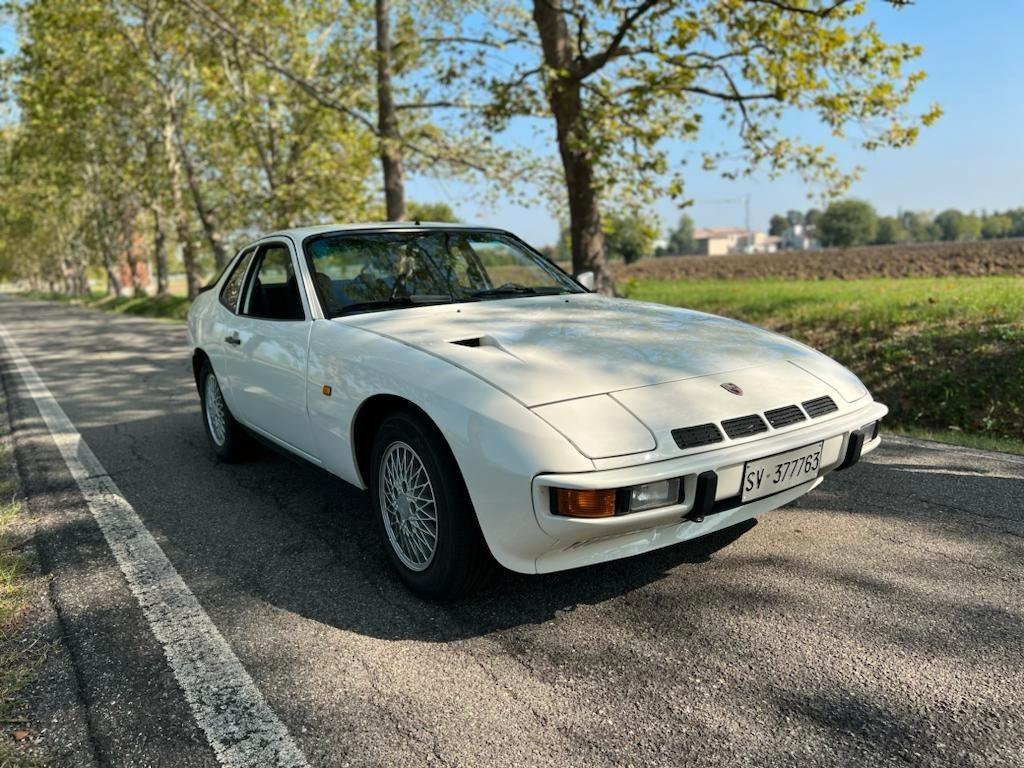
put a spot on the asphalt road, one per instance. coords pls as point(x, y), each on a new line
point(878, 621)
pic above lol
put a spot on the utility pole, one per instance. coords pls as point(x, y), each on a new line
point(732, 201)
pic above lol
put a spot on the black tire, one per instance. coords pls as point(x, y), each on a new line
point(235, 443)
point(461, 561)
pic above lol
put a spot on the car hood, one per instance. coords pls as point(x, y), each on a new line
point(553, 348)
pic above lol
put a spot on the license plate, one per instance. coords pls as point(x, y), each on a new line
point(763, 477)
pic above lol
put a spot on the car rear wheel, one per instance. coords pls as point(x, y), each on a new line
point(425, 516)
point(226, 436)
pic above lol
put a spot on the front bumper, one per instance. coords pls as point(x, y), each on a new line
point(703, 510)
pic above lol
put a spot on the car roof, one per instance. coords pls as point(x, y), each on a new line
point(298, 234)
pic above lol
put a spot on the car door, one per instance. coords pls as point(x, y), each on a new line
point(219, 335)
point(271, 336)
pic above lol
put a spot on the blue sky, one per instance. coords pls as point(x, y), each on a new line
point(972, 159)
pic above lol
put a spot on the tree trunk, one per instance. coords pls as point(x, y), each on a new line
point(81, 279)
point(113, 279)
point(206, 214)
point(134, 269)
point(131, 252)
point(66, 274)
point(387, 120)
point(188, 252)
point(160, 253)
point(564, 92)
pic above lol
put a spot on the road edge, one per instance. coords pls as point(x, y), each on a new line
point(58, 716)
point(939, 445)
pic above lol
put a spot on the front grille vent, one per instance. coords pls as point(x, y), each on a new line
point(702, 434)
point(783, 417)
point(744, 426)
point(819, 406)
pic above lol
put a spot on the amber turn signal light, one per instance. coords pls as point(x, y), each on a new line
point(574, 503)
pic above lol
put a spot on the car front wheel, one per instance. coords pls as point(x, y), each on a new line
point(424, 513)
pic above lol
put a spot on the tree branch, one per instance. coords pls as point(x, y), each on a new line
point(438, 105)
point(481, 41)
point(738, 98)
point(790, 8)
point(590, 64)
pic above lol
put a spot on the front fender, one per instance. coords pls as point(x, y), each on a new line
point(499, 444)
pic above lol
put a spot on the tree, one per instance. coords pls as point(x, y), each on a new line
point(619, 80)
point(680, 239)
point(846, 223)
point(952, 225)
point(996, 226)
point(277, 157)
point(812, 217)
point(432, 212)
point(949, 224)
point(138, 136)
point(778, 225)
point(794, 217)
point(421, 52)
point(919, 226)
point(630, 236)
point(889, 231)
point(1016, 215)
point(971, 228)
point(78, 127)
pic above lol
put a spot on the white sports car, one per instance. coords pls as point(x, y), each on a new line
point(498, 411)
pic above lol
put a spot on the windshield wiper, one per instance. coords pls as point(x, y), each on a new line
point(517, 290)
point(415, 300)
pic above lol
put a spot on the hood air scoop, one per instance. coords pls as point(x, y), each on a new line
point(482, 341)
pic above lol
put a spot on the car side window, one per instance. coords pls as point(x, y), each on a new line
point(273, 289)
point(233, 286)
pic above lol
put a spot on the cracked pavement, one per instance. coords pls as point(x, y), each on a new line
point(878, 621)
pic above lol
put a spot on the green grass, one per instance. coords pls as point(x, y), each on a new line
point(156, 307)
point(955, 437)
point(60, 298)
point(945, 354)
point(18, 663)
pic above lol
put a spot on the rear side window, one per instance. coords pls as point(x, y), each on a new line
point(233, 287)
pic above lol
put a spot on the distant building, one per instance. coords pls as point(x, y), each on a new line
point(799, 237)
point(722, 241)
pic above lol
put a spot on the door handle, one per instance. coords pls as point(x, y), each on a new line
point(233, 339)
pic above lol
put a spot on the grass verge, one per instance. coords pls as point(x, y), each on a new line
point(954, 437)
point(945, 354)
point(156, 307)
point(19, 662)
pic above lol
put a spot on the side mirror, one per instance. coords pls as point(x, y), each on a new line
point(586, 279)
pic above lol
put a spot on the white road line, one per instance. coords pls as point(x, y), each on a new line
point(239, 724)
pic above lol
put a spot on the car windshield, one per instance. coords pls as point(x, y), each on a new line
point(368, 271)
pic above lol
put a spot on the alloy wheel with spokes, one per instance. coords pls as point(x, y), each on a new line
point(426, 519)
point(215, 411)
point(227, 438)
point(408, 505)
